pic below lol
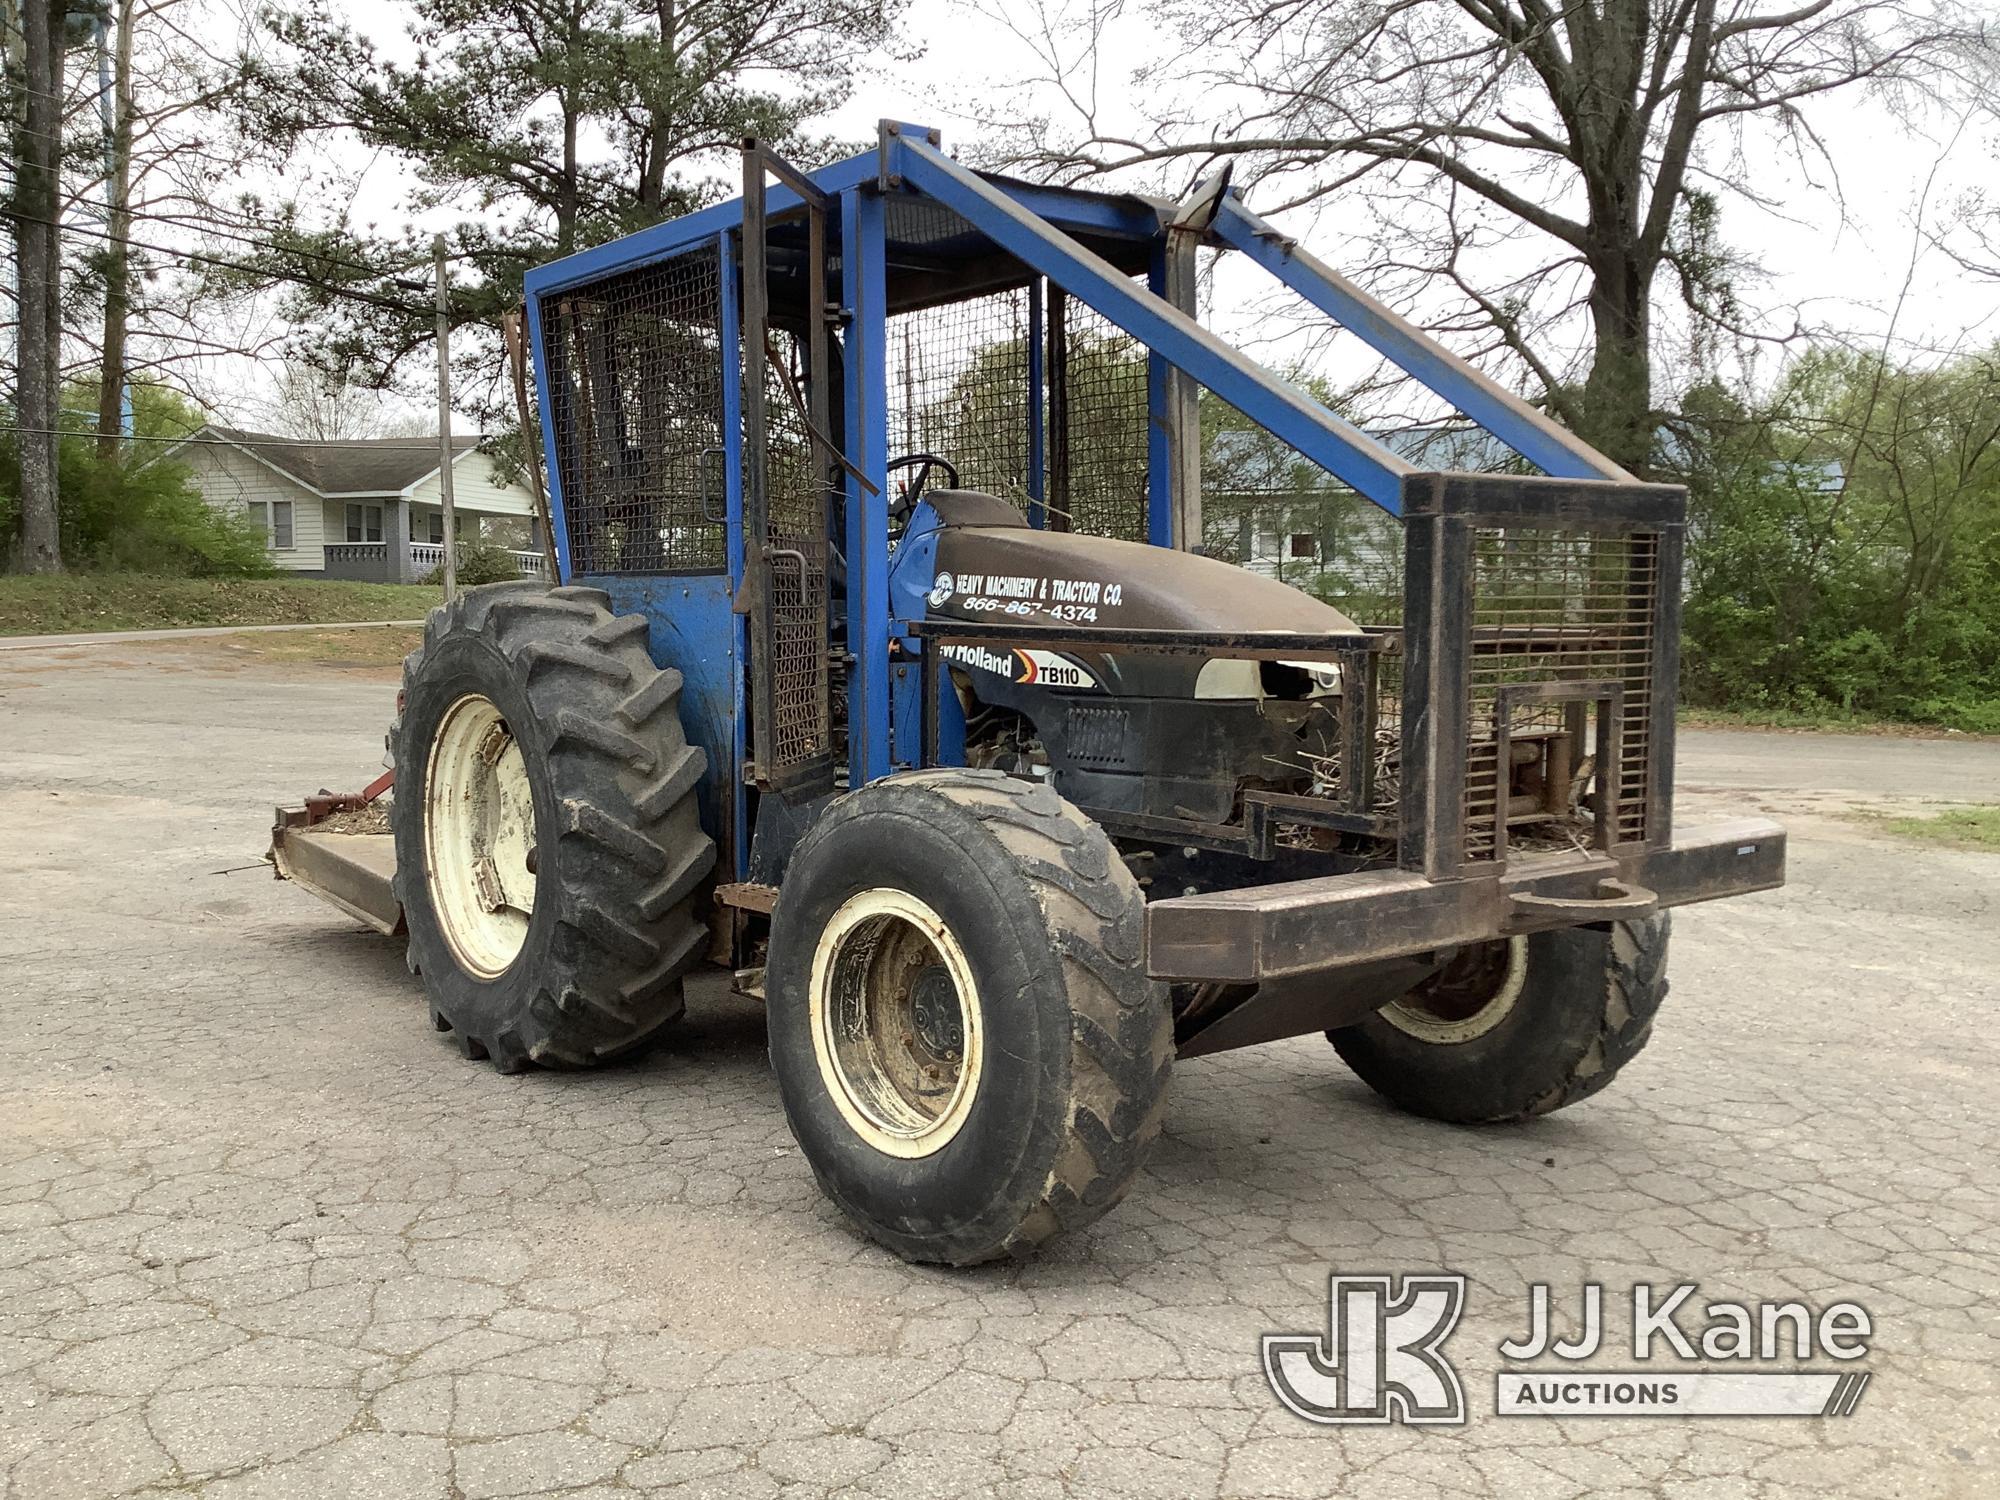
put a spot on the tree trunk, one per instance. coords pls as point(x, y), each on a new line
point(40, 363)
point(117, 274)
point(1616, 414)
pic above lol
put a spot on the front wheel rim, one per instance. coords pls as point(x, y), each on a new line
point(1470, 996)
point(479, 837)
point(897, 1026)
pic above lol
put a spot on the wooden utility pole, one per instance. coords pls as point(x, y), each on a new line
point(444, 427)
point(531, 452)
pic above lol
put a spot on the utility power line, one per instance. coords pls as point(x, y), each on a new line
point(261, 440)
point(373, 299)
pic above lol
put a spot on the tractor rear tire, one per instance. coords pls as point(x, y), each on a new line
point(970, 1053)
point(1517, 1027)
point(552, 911)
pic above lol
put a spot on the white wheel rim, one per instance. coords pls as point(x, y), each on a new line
point(479, 837)
point(896, 1022)
point(1446, 1026)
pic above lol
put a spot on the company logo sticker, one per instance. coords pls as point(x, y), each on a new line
point(942, 588)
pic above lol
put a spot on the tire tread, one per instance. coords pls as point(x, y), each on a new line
point(1121, 1039)
point(627, 784)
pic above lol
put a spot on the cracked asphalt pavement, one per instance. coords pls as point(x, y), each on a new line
point(263, 1234)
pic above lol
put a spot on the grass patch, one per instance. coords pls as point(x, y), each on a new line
point(1796, 721)
point(69, 603)
point(1959, 827)
point(377, 646)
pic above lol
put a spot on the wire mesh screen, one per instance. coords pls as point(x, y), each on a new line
point(1388, 782)
point(634, 366)
point(1558, 606)
point(958, 387)
point(1098, 423)
point(796, 495)
point(1267, 508)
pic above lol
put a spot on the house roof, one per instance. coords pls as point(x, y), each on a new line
point(346, 466)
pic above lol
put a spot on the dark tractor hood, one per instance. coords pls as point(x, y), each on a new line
point(1016, 575)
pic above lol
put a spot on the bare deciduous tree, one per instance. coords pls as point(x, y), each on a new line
point(1540, 159)
point(309, 405)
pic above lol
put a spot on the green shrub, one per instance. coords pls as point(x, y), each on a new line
point(1844, 543)
point(137, 512)
point(153, 521)
point(479, 562)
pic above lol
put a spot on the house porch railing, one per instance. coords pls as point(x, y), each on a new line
point(368, 562)
point(428, 556)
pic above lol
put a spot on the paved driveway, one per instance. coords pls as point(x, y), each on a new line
point(263, 1234)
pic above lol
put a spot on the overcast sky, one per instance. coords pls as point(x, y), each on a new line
point(1854, 255)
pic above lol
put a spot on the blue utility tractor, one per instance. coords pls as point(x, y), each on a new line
point(886, 669)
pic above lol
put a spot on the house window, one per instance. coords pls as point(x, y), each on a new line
point(436, 521)
point(364, 523)
point(274, 520)
point(1304, 544)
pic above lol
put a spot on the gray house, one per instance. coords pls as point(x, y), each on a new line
point(362, 508)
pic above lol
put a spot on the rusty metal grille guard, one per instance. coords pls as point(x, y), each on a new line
point(1531, 606)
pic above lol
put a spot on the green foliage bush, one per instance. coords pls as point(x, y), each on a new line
point(1844, 543)
point(139, 512)
point(479, 562)
point(153, 520)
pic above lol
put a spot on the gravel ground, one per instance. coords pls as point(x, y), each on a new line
point(263, 1234)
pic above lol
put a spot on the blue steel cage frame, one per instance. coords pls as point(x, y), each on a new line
point(1043, 230)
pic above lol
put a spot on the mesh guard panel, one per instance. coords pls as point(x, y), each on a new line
point(958, 387)
point(1105, 427)
point(796, 651)
point(634, 368)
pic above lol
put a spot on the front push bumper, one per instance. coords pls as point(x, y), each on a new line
point(1257, 934)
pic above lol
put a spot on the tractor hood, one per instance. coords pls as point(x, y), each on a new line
point(1018, 575)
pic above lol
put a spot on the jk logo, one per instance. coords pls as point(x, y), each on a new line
point(1380, 1359)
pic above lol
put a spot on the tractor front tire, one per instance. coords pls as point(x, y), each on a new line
point(549, 849)
point(1517, 1027)
point(970, 1054)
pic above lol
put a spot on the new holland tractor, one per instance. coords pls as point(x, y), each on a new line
point(886, 669)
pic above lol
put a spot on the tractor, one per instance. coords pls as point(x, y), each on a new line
point(887, 669)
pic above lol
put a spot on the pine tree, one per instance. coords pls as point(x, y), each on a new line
point(551, 125)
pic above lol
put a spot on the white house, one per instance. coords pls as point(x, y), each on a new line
point(363, 508)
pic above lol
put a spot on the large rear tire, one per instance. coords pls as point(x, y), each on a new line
point(549, 850)
point(970, 1054)
point(1517, 1027)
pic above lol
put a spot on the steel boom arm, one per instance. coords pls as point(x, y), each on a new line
point(1273, 403)
point(1549, 446)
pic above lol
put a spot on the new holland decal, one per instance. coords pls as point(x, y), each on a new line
point(1029, 667)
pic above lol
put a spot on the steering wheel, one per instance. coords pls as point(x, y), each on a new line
point(903, 500)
